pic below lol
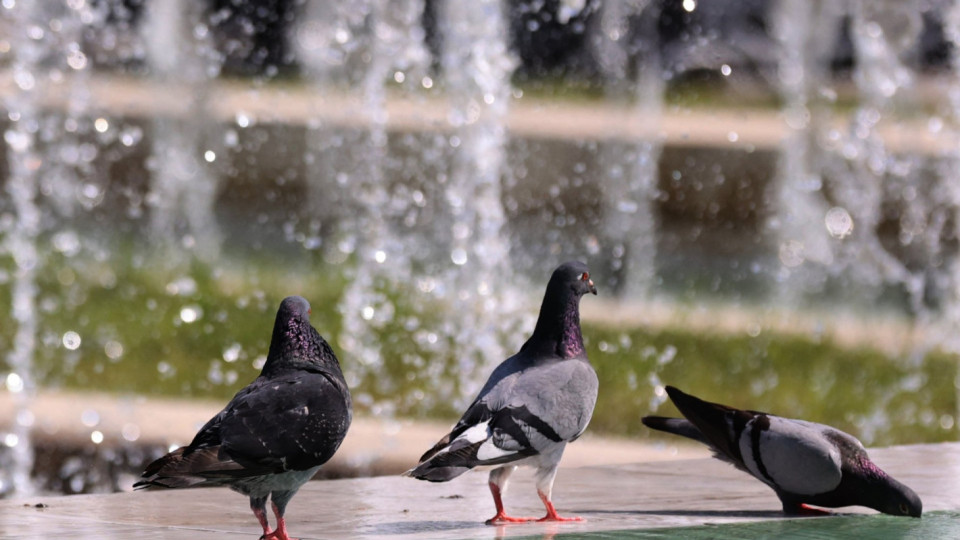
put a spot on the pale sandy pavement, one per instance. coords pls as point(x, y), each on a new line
point(372, 446)
point(611, 499)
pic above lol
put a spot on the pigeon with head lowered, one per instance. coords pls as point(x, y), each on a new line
point(275, 433)
point(804, 462)
point(533, 404)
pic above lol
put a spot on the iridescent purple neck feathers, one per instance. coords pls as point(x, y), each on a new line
point(295, 343)
point(558, 327)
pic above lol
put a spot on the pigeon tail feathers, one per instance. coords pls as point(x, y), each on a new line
point(676, 426)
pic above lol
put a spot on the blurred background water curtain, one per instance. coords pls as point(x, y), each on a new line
point(766, 192)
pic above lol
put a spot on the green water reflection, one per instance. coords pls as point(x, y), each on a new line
point(933, 525)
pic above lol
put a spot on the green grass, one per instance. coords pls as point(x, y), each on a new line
point(883, 400)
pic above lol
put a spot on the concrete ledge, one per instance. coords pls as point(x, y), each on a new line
point(373, 446)
point(611, 498)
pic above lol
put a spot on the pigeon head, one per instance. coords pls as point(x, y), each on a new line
point(294, 340)
point(573, 275)
point(558, 327)
point(885, 494)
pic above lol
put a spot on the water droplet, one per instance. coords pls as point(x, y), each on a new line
point(458, 256)
point(839, 222)
point(76, 59)
point(14, 383)
point(96, 437)
point(185, 286)
point(367, 313)
point(232, 353)
point(210, 156)
point(90, 418)
point(130, 135)
point(689, 5)
point(191, 313)
point(725, 70)
point(25, 418)
point(11, 440)
point(130, 432)
point(101, 125)
point(791, 253)
point(17, 140)
point(113, 349)
point(71, 340)
point(24, 80)
point(380, 256)
point(66, 242)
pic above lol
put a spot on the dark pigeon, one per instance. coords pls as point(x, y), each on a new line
point(275, 433)
point(804, 462)
point(532, 405)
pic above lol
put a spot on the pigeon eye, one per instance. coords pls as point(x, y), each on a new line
point(904, 509)
point(585, 276)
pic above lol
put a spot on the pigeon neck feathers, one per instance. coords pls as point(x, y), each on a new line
point(558, 326)
point(295, 343)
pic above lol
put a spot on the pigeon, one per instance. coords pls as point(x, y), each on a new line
point(275, 433)
point(804, 462)
point(533, 404)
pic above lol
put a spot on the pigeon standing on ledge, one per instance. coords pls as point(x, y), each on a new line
point(532, 405)
point(275, 433)
point(804, 462)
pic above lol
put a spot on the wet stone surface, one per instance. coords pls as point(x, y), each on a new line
point(684, 493)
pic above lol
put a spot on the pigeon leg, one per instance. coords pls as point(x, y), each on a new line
point(545, 478)
point(793, 508)
point(259, 507)
point(281, 531)
point(498, 485)
point(279, 505)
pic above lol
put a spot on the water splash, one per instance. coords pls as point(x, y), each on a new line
point(385, 45)
point(632, 77)
point(182, 58)
point(21, 238)
point(477, 65)
point(805, 34)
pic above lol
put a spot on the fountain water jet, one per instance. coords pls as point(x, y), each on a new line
point(477, 65)
point(44, 164)
point(182, 58)
point(632, 72)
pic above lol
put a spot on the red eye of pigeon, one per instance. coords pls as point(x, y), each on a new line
point(585, 276)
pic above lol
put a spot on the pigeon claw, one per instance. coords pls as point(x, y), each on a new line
point(555, 517)
point(276, 535)
point(502, 519)
point(552, 514)
point(805, 510)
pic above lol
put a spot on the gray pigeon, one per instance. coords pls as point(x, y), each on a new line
point(804, 462)
point(532, 405)
point(275, 433)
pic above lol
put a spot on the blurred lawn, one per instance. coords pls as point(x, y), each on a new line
point(883, 400)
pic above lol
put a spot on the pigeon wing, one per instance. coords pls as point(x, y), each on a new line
point(294, 421)
point(794, 456)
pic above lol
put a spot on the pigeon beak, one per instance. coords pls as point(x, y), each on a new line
point(592, 287)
